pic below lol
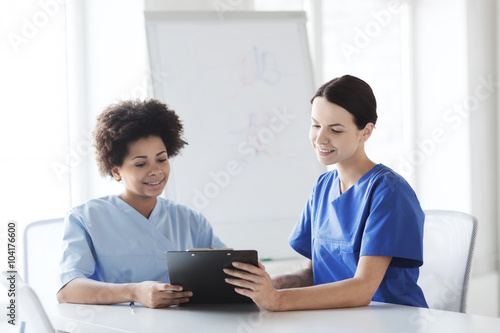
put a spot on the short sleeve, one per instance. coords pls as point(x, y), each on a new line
point(207, 238)
point(395, 224)
point(300, 237)
point(78, 254)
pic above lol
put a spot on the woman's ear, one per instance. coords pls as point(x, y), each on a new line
point(367, 131)
point(115, 171)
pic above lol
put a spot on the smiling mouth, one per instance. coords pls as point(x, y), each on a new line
point(154, 183)
point(325, 151)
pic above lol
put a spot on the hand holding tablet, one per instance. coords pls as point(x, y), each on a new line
point(201, 271)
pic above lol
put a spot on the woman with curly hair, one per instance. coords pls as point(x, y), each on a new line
point(114, 247)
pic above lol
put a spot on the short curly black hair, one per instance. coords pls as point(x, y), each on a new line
point(128, 121)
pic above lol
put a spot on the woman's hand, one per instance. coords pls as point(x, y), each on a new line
point(255, 283)
point(156, 294)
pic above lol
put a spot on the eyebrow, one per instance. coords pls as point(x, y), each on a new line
point(331, 125)
point(164, 151)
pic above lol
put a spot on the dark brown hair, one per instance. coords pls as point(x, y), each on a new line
point(128, 121)
point(354, 95)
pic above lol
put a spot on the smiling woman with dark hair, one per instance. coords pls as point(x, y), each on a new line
point(129, 121)
point(362, 227)
point(114, 247)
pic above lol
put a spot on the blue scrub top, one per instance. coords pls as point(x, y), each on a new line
point(380, 215)
point(107, 240)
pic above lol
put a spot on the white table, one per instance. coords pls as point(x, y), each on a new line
point(377, 317)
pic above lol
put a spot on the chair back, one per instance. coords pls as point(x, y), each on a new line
point(449, 238)
point(42, 252)
point(30, 308)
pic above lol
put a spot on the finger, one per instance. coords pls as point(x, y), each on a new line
point(240, 283)
point(240, 274)
point(244, 292)
point(163, 303)
point(182, 300)
point(170, 287)
point(178, 301)
point(176, 294)
point(247, 267)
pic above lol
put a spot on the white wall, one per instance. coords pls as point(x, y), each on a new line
point(482, 93)
point(483, 146)
point(497, 29)
point(440, 153)
point(202, 5)
point(454, 54)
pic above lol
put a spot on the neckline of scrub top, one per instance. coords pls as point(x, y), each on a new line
point(336, 191)
point(125, 207)
point(152, 224)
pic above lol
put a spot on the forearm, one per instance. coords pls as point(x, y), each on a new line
point(87, 291)
point(347, 293)
point(254, 282)
point(356, 291)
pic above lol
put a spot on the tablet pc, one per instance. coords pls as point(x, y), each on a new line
point(200, 271)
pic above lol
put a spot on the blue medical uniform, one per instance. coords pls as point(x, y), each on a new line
point(107, 240)
point(380, 215)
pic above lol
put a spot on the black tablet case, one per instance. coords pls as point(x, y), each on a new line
point(201, 272)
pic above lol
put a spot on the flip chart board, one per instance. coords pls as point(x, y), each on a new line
point(241, 82)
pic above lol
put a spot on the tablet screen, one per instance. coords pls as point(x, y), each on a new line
point(200, 271)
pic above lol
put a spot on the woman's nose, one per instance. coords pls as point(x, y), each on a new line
point(321, 138)
point(156, 170)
